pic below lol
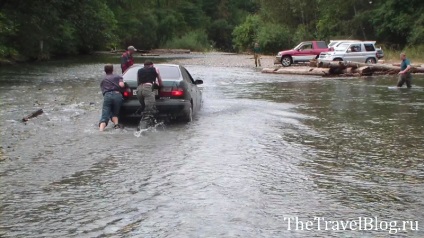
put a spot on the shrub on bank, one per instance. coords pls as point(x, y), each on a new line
point(414, 53)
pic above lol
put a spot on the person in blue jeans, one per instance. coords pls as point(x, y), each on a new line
point(112, 97)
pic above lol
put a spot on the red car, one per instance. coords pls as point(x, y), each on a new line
point(304, 52)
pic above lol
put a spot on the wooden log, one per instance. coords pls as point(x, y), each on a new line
point(343, 65)
point(148, 54)
point(270, 70)
point(32, 115)
point(298, 71)
point(417, 70)
point(364, 71)
point(413, 65)
point(349, 70)
point(332, 64)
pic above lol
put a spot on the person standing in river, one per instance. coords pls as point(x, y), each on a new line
point(147, 77)
point(405, 72)
point(256, 54)
point(127, 59)
point(112, 97)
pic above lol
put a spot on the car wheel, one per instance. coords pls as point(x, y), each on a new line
point(286, 61)
point(337, 59)
point(370, 61)
point(188, 115)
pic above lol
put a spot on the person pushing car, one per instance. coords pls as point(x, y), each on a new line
point(147, 78)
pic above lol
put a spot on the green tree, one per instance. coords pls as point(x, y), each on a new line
point(246, 33)
point(400, 22)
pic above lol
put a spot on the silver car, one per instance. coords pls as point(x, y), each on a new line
point(361, 52)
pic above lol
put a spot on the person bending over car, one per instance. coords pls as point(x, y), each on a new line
point(147, 78)
point(127, 59)
point(112, 97)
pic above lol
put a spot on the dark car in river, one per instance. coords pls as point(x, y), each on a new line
point(178, 98)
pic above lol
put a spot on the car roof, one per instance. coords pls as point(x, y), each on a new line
point(331, 41)
point(141, 65)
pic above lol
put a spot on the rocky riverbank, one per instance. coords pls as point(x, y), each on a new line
point(222, 59)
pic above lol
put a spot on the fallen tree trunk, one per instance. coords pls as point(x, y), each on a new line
point(32, 115)
point(364, 70)
point(417, 70)
point(413, 65)
point(332, 64)
point(338, 67)
point(298, 71)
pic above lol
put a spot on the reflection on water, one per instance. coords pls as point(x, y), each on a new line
point(264, 149)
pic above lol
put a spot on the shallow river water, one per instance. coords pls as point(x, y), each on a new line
point(268, 156)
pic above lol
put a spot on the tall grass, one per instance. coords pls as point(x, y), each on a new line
point(195, 41)
point(414, 53)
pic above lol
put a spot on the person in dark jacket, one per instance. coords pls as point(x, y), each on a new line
point(147, 77)
point(112, 97)
point(127, 59)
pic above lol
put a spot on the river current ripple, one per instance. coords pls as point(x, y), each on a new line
point(265, 150)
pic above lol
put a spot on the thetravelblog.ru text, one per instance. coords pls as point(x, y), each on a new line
point(358, 224)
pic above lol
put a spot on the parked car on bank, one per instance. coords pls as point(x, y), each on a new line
point(361, 52)
point(303, 52)
point(179, 98)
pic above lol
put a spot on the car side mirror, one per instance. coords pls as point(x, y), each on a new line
point(198, 81)
point(349, 50)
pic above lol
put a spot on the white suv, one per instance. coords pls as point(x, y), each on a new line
point(361, 52)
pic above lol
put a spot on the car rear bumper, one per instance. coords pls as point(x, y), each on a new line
point(166, 107)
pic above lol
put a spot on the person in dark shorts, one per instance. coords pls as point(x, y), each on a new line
point(404, 74)
point(147, 77)
point(112, 97)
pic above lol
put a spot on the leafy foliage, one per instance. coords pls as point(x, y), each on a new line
point(39, 29)
point(245, 34)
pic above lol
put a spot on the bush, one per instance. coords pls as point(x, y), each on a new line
point(7, 52)
point(274, 37)
point(194, 40)
point(245, 34)
point(303, 34)
point(414, 53)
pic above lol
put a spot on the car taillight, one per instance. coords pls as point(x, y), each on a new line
point(126, 94)
point(177, 92)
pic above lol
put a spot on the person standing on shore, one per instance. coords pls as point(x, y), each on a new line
point(112, 97)
point(404, 74)
point(127, 59)
point(256, 54)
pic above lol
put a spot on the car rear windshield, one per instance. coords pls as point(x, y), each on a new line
point(167, 72)
point(369, 47)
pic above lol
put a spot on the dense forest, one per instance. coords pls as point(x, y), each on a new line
point(39, 29)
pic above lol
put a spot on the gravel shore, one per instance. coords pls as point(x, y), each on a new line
point(221, 59)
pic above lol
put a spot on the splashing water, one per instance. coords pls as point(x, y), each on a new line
point(153, 128)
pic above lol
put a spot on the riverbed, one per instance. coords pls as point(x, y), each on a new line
point(268, 156)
